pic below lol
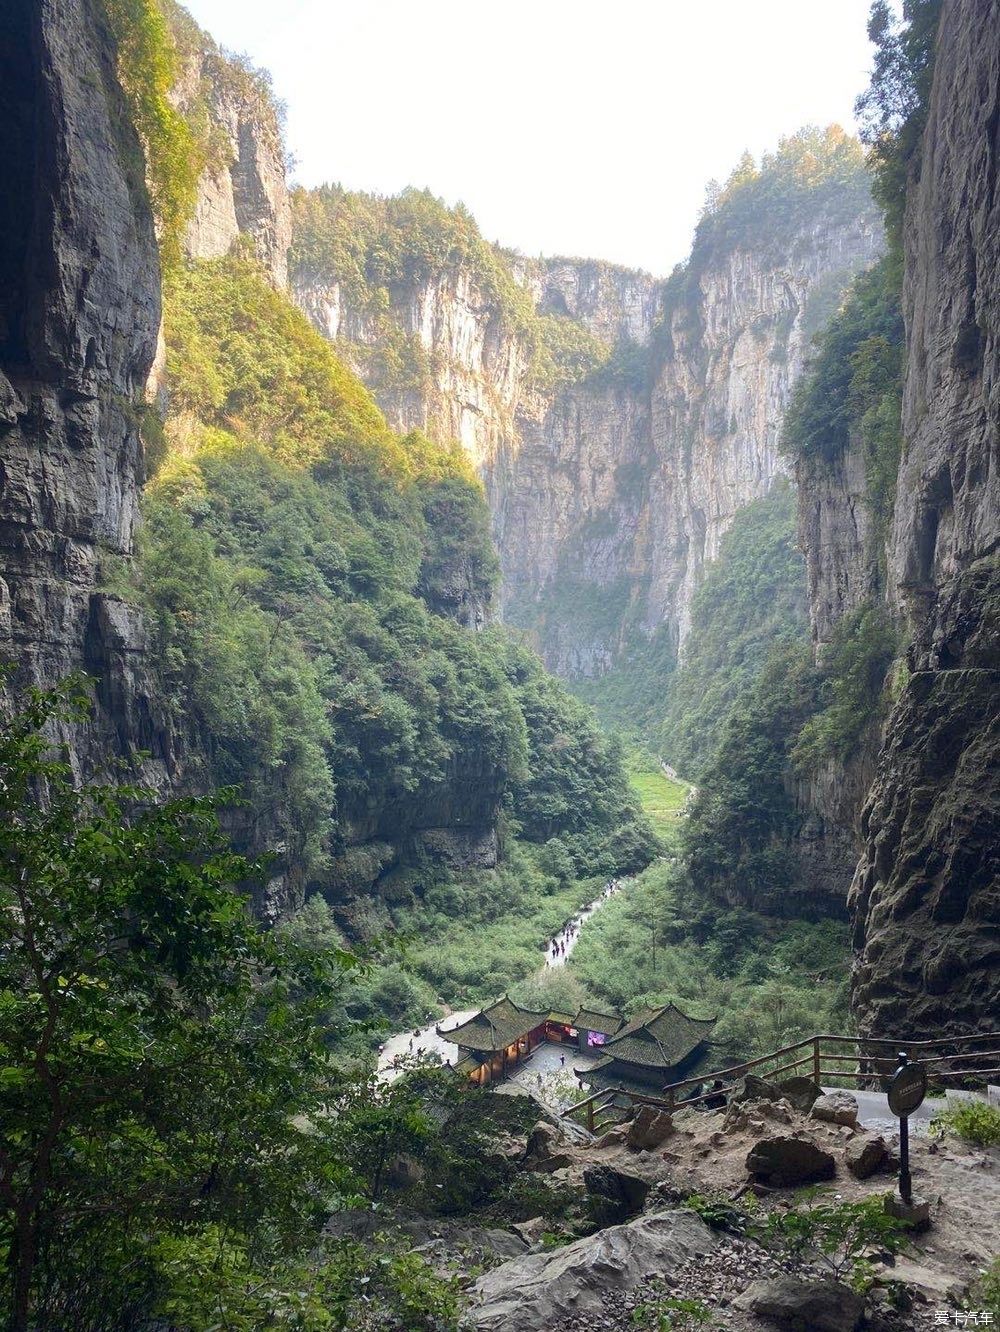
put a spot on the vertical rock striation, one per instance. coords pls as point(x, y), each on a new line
point(612, 479)
point(242, 192)
point(926, 895)
point(79, 309)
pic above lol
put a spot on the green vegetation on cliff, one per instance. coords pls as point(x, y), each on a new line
point(752, 601)
point(853, 389)
point(813, 176)
point(893, 109)
point(371, 244)
point(174, 154)
point(308, 577)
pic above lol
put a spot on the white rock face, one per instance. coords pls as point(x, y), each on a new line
point(610, 495)
point(242, 191)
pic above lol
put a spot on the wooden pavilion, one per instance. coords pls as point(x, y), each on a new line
point(496, 1039)
point(657, 1046)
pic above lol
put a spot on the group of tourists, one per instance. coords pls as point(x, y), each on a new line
point(562, 945)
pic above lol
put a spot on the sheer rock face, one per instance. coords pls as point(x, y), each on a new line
point(610, 494)
point(79, 309)
point(734, 353)
point(242, 191)
point(926, 895)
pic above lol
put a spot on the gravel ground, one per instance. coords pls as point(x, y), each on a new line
point(715, 1284)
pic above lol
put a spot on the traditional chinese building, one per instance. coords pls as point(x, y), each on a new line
point(496, 1039)
point(659, 1045)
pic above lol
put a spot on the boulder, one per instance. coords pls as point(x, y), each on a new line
point(752, 1088)
point(804, 1306)
point(615, 1194)
point(542, 1139)
point(404, 1172)
point(867, 1155)
point(837, 1107)
point(649, 1129)
point(536, 1292)
point(800, 1093)
point(613, 1138)
point(784, 1162)
point(531, 1231)
point(547, 1165)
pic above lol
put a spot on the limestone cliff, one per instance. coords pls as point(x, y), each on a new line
point(79, 309)
point(242, 192)
point(619, 423)
point(926, 896)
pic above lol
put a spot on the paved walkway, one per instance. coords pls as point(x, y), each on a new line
point(561, 945)
point(423, 1040)
point(874, 1112)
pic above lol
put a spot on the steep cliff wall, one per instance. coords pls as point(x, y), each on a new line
point(242, 191)
point(619, 423)
point(926, 896)
point(79, 308)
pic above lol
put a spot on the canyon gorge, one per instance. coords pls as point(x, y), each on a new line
point(375, 601)
point(618, 422)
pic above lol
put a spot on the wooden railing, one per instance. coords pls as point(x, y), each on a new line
point(859, 1060)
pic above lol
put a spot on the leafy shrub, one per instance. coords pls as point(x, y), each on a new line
point(975, 1121)
point(147, 71)
point(852, 680)
point(670, 1313)
point(839, 1235)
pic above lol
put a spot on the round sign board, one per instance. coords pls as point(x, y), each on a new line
point(907, 1089)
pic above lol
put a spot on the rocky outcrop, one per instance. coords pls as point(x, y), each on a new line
point(242, 192)
point(79, 309)
point(533, 1293)
point(926, 895)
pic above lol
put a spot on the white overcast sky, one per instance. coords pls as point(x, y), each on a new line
point(583, 127)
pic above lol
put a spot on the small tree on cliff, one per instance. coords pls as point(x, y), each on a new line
point(153, 1070)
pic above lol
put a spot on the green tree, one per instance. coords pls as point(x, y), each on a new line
point(892, 111)
point(156, 1076)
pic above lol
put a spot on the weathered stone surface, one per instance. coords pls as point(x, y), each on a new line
point(542, 1139)
point(752, 1088)
point(784, 1162)
point(927, 890)
point(838, 1107)
point(804, 1306)
point(242, 191)
point(79, 310)
point(549, 1164)
point(800, 1093)
point(533, 1293)
point(866, 1156)
point(649, 1129)
point(616, 1194)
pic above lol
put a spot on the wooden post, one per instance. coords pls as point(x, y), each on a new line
point(817, 1062)
point(590, 1115)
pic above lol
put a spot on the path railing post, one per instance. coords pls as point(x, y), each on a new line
point(817, 1063)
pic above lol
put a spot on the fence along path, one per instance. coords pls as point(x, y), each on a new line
point(863, 1061)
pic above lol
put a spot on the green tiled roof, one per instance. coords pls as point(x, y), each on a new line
point(495, 1027)
point(590, 1019)
point(659, 1037)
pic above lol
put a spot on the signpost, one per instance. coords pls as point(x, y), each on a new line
point(906, 1093)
